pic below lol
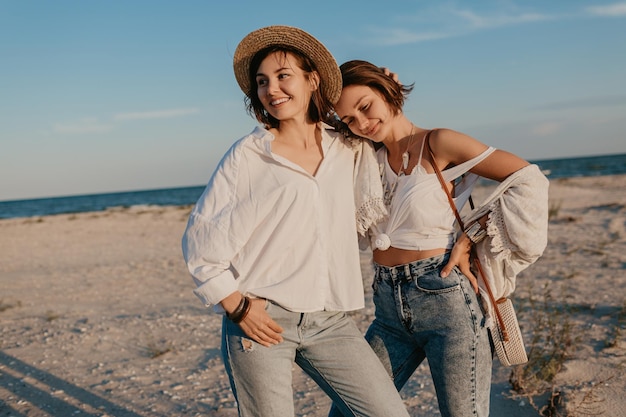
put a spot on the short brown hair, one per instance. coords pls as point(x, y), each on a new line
point(319, 107)
point(358, 72)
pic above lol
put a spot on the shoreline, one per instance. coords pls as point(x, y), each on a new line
point(139, 206)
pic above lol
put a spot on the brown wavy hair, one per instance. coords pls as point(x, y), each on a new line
point(365, 73)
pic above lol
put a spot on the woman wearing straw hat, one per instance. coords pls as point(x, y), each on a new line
point(272, 242)
point(424, 291)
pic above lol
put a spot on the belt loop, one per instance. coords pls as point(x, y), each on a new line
point(407, 271)
point(393, 274)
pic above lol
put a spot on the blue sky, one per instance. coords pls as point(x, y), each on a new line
point(102, 96)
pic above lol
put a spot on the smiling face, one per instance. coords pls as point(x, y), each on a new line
point(283, 87)
point(365, 112)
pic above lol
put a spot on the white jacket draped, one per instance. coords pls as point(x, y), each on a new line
point(517, 229)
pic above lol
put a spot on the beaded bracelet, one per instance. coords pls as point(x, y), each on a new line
point(475, 232)
point(241, 311)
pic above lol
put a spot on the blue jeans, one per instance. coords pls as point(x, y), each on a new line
point(421, 315)
point(328, 346)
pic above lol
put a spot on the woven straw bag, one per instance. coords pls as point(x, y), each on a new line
point(510, 349)
point(505, 332)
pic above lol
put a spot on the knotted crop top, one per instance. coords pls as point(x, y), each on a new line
point(420, 217)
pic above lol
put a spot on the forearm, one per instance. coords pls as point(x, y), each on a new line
point(236, 306)
point(230, 303)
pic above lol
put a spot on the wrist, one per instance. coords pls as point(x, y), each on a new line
point(241, 311)
point(230, 303)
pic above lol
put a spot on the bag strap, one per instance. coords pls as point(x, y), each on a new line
point(433, 162)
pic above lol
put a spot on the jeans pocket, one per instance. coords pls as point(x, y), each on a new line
point(376, 282)
point(433, 283)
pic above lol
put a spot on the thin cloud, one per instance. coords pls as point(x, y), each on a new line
point(84, 126)
point(609, 10)
point(93, 126)
point(455, 22)
point(159, 114)
point(390, 37)
point(476, 21)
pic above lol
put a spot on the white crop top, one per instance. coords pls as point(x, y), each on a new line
point(420, 217)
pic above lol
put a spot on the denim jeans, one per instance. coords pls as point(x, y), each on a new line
point(328, 346)
point(421, 315)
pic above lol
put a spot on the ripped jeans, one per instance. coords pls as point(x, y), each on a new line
point(328, 346)
point(421, 315)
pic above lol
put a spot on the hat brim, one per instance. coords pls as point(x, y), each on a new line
point(291, 37)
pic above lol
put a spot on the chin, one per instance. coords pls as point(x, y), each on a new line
point(376, 137)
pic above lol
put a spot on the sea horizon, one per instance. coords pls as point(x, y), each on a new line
point(610, 164)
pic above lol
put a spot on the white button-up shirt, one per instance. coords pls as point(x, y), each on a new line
point(266, 227)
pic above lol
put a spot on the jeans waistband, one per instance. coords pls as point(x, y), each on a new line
point(406, 272)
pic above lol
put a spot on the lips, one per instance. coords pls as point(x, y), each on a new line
point(371, 132)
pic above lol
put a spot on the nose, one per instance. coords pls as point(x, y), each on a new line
point(362, 122)
point(272, 86)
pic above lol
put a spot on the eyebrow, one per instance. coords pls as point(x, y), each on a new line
point(260, 74)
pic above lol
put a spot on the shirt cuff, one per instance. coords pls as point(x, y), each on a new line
point(215, 289)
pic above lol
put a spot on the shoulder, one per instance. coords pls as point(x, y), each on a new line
point(338, 141)
point(332, 133)
point(239, 151)
point(447, 137)
point(253, 140)
point(454, 146)
point(257, 135)
point(226, 174)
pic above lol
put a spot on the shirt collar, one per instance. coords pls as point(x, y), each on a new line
point(263, 138)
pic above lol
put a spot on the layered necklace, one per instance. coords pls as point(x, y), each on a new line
point(390, 189)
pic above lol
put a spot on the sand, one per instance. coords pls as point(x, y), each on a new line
point(97, 317)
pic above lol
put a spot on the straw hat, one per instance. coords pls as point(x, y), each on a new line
point(294, 38)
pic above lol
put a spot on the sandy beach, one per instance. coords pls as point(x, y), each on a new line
point(97, 317)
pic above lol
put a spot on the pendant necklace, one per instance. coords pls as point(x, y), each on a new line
point(405, 154)
point(390, 190)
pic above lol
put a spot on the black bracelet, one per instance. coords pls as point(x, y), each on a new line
point(241, 311)
point(246, 310)
point(238, 310)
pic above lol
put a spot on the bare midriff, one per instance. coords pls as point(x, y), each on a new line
point(394, 256)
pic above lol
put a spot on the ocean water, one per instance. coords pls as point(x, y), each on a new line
point(583, 166)
point(553, 168)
